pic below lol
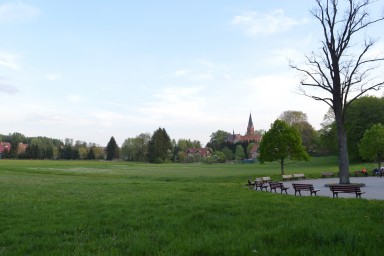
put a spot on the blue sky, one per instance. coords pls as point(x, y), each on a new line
point(88, 70)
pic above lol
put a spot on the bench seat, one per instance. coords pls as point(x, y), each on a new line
point(274, 185)
point(306, 187)
point(340, 188)
point(327, 174)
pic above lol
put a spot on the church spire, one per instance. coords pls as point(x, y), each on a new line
point(250, 128)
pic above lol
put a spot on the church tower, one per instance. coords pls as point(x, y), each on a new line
point(250, 128)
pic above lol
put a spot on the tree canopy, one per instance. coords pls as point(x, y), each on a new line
point(112, 149)
point(159, 147)
point(281, 142)
point(371, 146)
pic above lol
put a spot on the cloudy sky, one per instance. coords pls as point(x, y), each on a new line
point(88, 70)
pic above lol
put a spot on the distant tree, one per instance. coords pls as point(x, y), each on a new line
point(249, 149)
point(159, 147)
point(239, 154)
point(218, 140)
point(227, 153)
point(91, 154)
point(342, 69)
point(299, 120)
point(112, 149)
point(219, 156)
point(360, 116)
point(281, 142)
point(371, 146)
point(136, 149)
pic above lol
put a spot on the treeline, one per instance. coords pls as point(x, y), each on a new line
point(49, 148)
point(158, 147)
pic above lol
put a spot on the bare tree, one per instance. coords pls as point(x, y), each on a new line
point(341, 69)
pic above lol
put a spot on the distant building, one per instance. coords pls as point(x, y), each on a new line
point(5, 146)
point(202, 152)
point(250, 136)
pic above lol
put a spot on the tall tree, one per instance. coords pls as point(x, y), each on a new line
point(341, 69)
point(281, 142)
point(159, 147)
point(112, 149)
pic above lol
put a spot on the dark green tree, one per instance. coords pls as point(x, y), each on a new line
point(362, 114)
point(280, 143)
point(371, 146)
point(218, 140)
point(112, 149)
point(159, 147)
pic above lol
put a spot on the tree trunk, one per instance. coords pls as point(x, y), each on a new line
point(282, 166)
point(343, 150)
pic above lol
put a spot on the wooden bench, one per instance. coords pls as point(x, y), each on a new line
point(327, 174)
point(260, 184)
point(307, 187)
point(340, 188)
point(298, 176)
point(266, 179)
point(274, 185)
point(357, 173)
point(287, 177)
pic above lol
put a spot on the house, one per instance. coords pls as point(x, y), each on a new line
point(202, 152)
point(5, 146)
point(21, 148)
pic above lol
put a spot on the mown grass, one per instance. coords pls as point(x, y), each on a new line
point(119, 208)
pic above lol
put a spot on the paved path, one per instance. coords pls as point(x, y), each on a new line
point(374, 187)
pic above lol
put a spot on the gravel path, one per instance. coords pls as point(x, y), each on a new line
point(374, 187)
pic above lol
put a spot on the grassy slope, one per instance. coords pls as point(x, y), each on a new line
point(100, 208)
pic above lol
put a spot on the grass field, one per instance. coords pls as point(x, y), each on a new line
point(120, 208)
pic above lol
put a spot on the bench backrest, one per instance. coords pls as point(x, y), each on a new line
point(275, 184)
point(299, 175)
point(303, 186)
point(266, 178)
point(345, 188)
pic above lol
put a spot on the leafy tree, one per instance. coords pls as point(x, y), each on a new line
point(281, 142)
point(360, 116)
point(371, 146)
point(159, 147)
point(112, 149)
point(218, 140)
point(228, 153)
point(341, 70)
point(136, 149)
point(299, 120)
point(239, 154)
point(249, 149)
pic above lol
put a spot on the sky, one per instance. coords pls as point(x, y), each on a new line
point(89, 70)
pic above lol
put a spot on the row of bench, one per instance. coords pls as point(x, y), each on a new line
point(273, 185)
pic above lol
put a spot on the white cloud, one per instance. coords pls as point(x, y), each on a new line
point(73, 98)
point(107, 118)
point(10, 60)
point(7, 88)
point(53, 76)
point(176, 105)
point(265, 24)
point(17, 11)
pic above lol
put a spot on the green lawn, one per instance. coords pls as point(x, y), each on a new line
point(120, 208)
